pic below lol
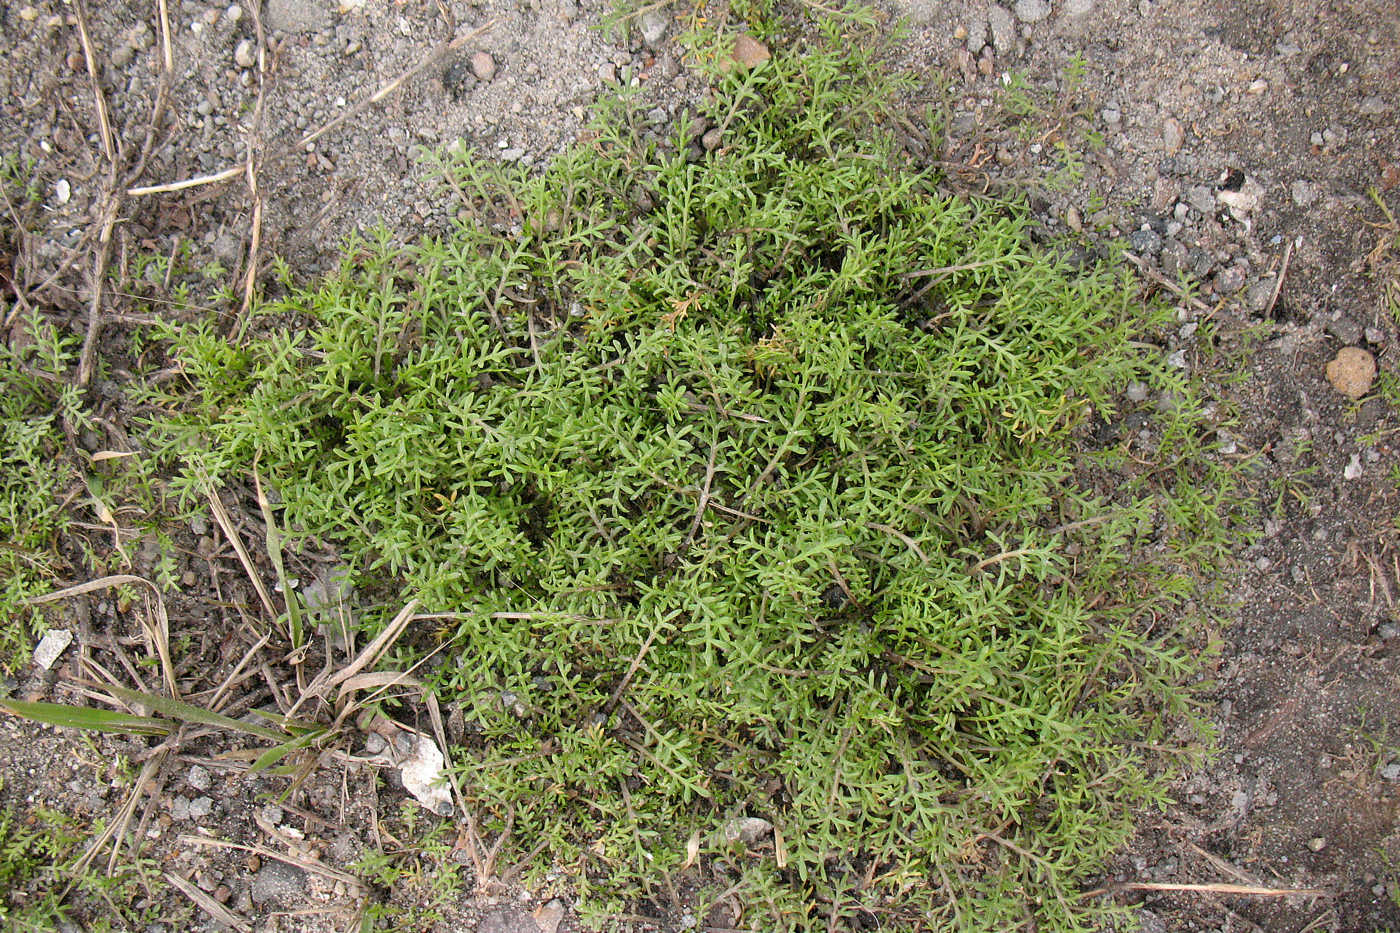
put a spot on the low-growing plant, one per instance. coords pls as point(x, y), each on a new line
point(749, 493)
point(36, 475)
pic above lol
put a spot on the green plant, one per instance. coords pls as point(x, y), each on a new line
point(748, 497)
point(42, 877)
point(414, 876)
point(36, 403)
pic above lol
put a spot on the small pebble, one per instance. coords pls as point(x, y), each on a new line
point(1146, 242)
point(1258, 295)
point(233, 14)
point(1003, 27)
point(199, 778)
point(1317, 843)
point(1137, 392)
point(245, 54)
point(1173, 136)
point(1230, 279)
point(1372, 106)
point(748, 53)
point(1032, 11)
point(28, 14)
point(483, 66)
point(653, 26)
point(200, 808)
point(1391, 772)
point(1352, 372)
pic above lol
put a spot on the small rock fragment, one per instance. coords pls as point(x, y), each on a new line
point(245, 54)
point(1258, 296)
point(1003, 27)
point(200, 808)
point(1173, 135)
point(607, 73)
point(1146, 241)
point(52, 645)
point(748, 53)
point(1073, 9)
point(1372, 106)
point(483, 66)
point(199, 778)
point(1201, 199)
point(1352, 372)
point(549, 915)
point(1242, 202)
point(1391, 772)
point(1347, 331)
point(712, 139)
point(745, 829)
point(1317, 843)
point(28, 14)
point(1032, 11)
point(1148, 922)
point(279, 883)
point(1230, 279)
point(653, 26)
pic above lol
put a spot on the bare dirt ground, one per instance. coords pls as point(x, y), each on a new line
point(1249, 146)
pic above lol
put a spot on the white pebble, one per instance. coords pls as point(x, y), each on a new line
point(245, 55)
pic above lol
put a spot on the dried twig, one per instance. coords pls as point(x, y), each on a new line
point(1168, 284)
point(110, 201)
point(1243, 890)
point(221, 914)
point(216, 505)
point(309, 864)
point(1278, 283)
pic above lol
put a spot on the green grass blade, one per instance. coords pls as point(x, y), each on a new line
point(85, 717)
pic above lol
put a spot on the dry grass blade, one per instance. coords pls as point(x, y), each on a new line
point(218, 698)
point(216, 505)
point(1167, 283)
point(1278, 282)
point(110, 202)
point(220, 914)
point(158, 631)
point(371, 653)
point(274, 554)
point(118, 826)
point(308, 864)
point(1242, 890)
point(234, 171)
point(227, 174)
